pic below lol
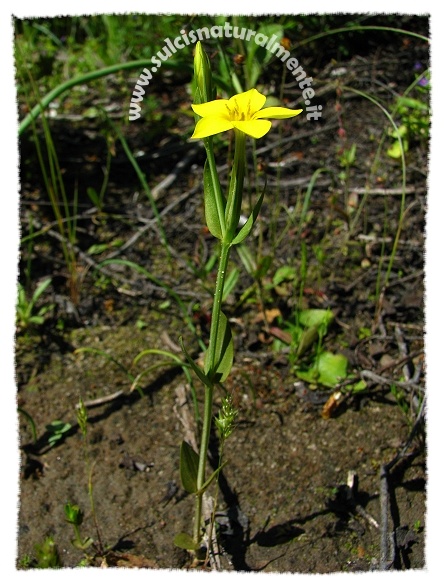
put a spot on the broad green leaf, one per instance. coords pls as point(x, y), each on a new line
point(329, 370)
point(210, 205)
point(189, 461)
point(332, 368)
point(284, 273)
point(315, 317)
point(199, 372)
point(185, 541)
point(224, 352)
point(246, 229)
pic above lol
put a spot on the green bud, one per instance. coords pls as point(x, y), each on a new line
point(73, 514)
point(204, 91)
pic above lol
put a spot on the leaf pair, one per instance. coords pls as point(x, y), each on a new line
point(189, 463)
point(214, 210)
point(223, 359)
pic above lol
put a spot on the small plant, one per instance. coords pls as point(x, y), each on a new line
point(73, 511)
point(57, 431)
point(312, 363)
point(26, 309)
point(74, 516)
point(414, 124)
point(47, 555)
point(245, 114)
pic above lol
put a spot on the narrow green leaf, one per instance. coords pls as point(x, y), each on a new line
point(211, 478)
point(307, 339)
point(199, 372)
point(210, 205)
point(189, 461)
point(230, 283)
point(247, 228)
point(224, 352)
point(40, 289)
point(185, 541)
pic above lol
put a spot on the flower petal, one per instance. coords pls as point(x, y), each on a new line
point(206, 127)
point(247, 102)
point(277, 112)
point(213, 108)
point(253, 128)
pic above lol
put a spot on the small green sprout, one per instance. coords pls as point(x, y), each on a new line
point(57, 430)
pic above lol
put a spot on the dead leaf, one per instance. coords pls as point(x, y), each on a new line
point(331, 405)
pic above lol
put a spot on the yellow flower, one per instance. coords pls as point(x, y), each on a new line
point(242, 112)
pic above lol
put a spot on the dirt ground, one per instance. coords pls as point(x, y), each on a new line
point(285, 498)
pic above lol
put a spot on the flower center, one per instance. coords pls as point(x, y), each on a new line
point(238, 113)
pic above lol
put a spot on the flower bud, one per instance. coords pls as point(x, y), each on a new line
point(73, 514)
point(204, 91)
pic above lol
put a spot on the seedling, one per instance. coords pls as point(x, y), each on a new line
point(57, 431)
point(74, 516)
point(415, 123)
point(26, 310)
point(47, 554)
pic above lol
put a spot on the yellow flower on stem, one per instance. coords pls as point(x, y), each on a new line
point(243, 112)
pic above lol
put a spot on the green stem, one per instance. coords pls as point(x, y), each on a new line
point(208, 399)
point(229, 219)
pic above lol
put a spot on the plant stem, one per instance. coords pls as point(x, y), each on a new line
point(208, 398)
point(231, 221)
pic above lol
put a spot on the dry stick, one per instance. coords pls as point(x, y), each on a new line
point(403, 349)
point(92, 403)
point(387, 559)
point(171, 177)
point(367, 374)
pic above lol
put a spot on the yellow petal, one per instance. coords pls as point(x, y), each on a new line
point(213, 108)
point(248, 102)
point(277, 112)
point(206, 127)
point(253, 128)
